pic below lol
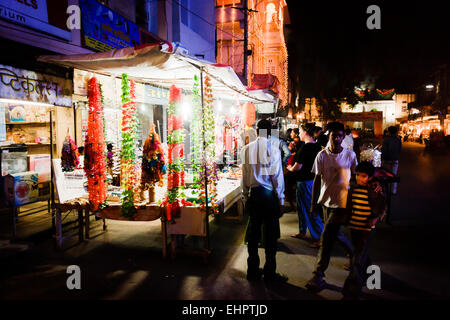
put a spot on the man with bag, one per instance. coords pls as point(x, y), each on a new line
point(263, 192)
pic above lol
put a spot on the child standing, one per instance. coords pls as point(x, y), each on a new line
point(365, 207)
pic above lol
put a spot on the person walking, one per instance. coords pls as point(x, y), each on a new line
point(290, 181)
point(263, 192)
point(365, 207)
point(333, 167)
point(390, 154)
point(303, 162)
point(280, 145)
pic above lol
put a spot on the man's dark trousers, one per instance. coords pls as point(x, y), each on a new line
point(264, 227)
point(335, 218)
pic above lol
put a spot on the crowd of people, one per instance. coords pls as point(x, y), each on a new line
point(318, 174)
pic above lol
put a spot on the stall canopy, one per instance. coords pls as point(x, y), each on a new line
point(158, 64)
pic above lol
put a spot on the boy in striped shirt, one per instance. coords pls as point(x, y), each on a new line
point(365, 208)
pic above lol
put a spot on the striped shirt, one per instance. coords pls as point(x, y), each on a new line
point(361, 210)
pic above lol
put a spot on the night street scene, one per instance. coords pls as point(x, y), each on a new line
point(217, 158)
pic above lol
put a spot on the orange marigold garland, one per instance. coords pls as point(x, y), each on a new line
point(94, 159)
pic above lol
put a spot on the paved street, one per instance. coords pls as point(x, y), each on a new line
point(125, 262)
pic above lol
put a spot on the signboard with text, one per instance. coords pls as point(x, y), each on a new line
point(106, 30)
point(33, 14)
point(27, 85)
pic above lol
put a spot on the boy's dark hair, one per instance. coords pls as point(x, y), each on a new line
point(317, 129)
point(366, 167)
point(348, 131)
point(393, 130)
point(336, 126)
point(310, 128)
point(297, 132)
point(109, 146)
point(81, 149)
point(264, 124)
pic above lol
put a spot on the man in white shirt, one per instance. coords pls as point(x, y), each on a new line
point(263, 191)
point(333, 168)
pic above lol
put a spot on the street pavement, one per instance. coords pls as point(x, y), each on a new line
point(125, 261)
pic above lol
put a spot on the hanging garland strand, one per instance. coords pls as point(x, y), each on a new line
point(128, 173)
point(95, 158)
point(208, 168)
point(175, 139)
point(196, 133)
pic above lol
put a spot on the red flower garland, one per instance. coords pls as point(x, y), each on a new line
point(95, 160)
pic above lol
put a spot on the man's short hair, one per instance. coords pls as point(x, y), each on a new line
point(296, 130)
point(348, 131)
point(264, 124)
point(317, 129)
point(393, 130)
point(366, 167)
point(309, 128)
point(335, 126)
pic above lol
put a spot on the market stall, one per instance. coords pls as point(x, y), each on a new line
point(172, 174)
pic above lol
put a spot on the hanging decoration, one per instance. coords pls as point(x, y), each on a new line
point(69, 155)
point(196, 134)
point(95, 158)
point(386, 94)
point(175, 139)
point(128, 174)
point(208, 176)
point(153, 165)
point(249, 114)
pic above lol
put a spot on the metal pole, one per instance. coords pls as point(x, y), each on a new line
point(245, 3)
point(204, 156)
point(75, 123)
point(52, 190)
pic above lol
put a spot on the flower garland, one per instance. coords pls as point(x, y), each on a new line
point(175, 139)
point(206, 171)
point(128, 174)
point(69, 155)
point(153, 165)
point(95, 159)
point(196, 133)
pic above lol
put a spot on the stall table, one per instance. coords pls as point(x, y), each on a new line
point(192, 220)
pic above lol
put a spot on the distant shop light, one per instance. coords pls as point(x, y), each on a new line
point(429, 86)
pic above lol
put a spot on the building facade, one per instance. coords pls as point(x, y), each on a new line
point(267, 53)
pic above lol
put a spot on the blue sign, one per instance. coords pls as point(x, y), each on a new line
point(155, 95)
point(106, 30)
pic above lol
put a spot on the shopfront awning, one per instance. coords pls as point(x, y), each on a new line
point(157, 64)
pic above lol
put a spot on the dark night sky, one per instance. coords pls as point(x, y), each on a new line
point(329, 43)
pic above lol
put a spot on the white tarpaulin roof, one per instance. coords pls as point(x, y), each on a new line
point(157, 65)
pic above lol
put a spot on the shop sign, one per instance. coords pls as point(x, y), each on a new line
point(27, 85)
point(33, 14)
point(111, 88)
point(155, 95)
point(106, 30)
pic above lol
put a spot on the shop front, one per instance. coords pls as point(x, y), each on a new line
point(35, 116)
point(174, 125)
